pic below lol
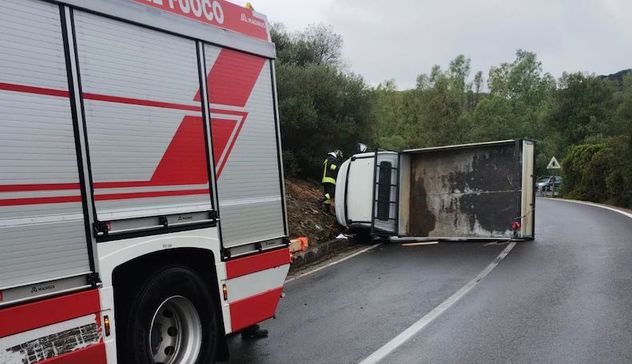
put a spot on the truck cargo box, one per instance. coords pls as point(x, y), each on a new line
point(471, 191)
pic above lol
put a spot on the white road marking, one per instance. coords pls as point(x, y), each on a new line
point(412, 330)
point(332, 263)
point(420, 243)
point(624, 213)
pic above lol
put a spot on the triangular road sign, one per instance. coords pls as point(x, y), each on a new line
point(554, 164)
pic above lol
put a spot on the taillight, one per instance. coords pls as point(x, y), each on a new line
point(106, 325)
point(225, 291)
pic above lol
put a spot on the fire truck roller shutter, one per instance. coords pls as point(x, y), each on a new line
point(244, 143)
point(145, 128)
point(41, 215)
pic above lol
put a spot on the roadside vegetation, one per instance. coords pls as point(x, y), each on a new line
point(584, 120)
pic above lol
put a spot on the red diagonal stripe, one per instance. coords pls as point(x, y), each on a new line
point(40, 187)
point(126, 184)
point(141, 102)
point(222, 129)
point(184, 161)
point(240, 125)
point(125, 196)
point(233, 77)
point(39, 200)
point(33, 90)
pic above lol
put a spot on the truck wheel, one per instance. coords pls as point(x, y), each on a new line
point(362, 236)
point(172, 320)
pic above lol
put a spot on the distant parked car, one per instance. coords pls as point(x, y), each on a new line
point(547, 183)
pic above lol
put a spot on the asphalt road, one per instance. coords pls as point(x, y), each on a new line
point(564, 298)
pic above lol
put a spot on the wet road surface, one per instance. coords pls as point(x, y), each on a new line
point(565, 297)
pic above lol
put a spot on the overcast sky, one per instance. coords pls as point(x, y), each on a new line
point(399, 39)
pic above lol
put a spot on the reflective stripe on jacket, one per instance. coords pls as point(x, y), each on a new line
point(330, 169)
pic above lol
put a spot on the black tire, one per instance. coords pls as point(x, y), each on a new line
point(169, 282)
point(362, 236)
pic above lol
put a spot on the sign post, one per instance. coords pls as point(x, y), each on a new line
point(553, 166)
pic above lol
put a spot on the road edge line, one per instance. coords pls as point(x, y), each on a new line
point(304, 274)
point(415, 328)
point(588, 203)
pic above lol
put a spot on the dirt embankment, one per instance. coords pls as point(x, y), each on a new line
point(306, 215)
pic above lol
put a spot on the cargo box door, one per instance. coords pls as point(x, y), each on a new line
point(384, 218)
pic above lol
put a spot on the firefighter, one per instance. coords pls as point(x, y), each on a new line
point(330, 171)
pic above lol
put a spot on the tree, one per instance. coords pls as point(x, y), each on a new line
point(388, 113)
point(585, 169)
point(584, 120)
point(316, 45)
point(458, 74)
point(434, 110)
point(523, 80)
point(322, 44)
point(478, 88)
point(582, 107)
point(321, 107)
point(624, 112)
point(527, 88)
point(493, 119)
point(620, 181)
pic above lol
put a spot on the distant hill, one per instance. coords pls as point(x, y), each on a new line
point(618, 77)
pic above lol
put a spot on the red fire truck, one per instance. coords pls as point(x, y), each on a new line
point(142, 211)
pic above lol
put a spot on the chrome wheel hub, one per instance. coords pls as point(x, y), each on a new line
point(176, 332)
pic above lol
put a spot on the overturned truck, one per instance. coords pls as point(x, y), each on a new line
point(459, 192)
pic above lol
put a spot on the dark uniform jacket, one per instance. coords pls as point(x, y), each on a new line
point(330, 169)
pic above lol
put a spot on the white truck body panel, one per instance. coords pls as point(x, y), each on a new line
point(527, 211)
point(130, 128)
point(250, 195)
point(42, 228)
point(362, 174)
point(142, 89)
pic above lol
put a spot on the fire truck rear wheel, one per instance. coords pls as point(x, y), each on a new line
point(172, 320)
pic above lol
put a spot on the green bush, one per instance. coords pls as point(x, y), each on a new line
point(598, 172)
